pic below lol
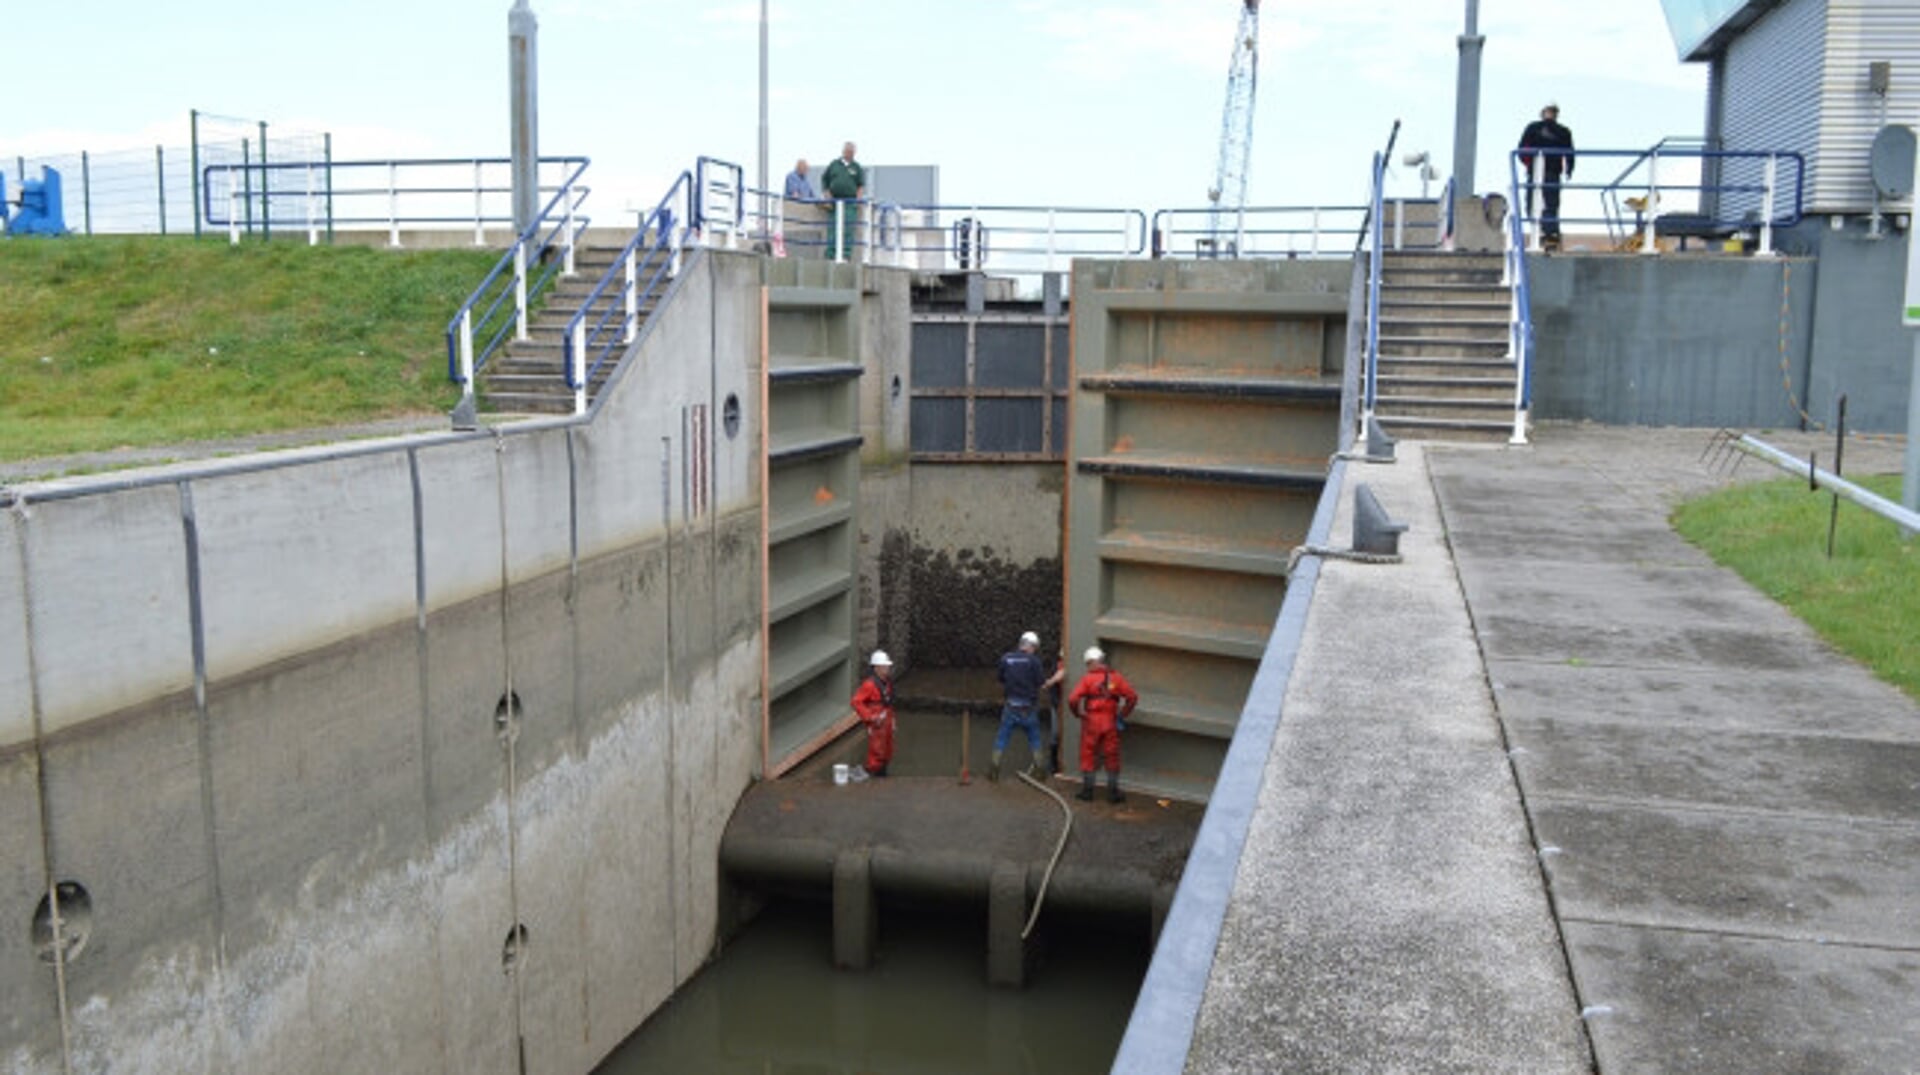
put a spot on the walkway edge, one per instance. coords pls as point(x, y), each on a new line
point(1160, 1032)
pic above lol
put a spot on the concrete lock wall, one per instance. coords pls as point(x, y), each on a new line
point(412, 755)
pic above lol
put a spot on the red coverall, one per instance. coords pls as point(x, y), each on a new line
point(874, 703)
point(1097, 700)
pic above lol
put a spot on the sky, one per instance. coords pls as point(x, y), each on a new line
point(1048, 102)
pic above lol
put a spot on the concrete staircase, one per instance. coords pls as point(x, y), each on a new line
point(529, 376)
point(1444, 369)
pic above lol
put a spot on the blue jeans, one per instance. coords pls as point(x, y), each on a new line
point(1027, 719)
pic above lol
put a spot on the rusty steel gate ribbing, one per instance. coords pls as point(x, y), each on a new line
point(811, 485)
point(1205, 408)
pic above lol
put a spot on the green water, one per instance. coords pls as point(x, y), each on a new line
point(772, 1004)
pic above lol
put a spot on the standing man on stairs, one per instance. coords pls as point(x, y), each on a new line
point(1102, 699)
point(1022, 678)
point(846, 183)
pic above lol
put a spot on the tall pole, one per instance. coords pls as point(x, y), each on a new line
point(1466, 104)
point(522, 49)
point(762, 174)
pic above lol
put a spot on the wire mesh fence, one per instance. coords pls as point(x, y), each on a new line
point(158, 190)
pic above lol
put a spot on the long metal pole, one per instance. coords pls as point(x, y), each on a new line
point(523, 32)
point(1910, 487)
point(1466, 104)
point(761, 175)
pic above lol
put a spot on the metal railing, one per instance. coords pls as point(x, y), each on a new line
point(1674, 198)
point(1513, 276)
point(1265, 231)
point(558, 228)
point(719, 191)
point(1373, 237)
point(317, 196)
point(655, 250)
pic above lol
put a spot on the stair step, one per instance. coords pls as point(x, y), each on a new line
point(1459, 429)
point(1443, 347)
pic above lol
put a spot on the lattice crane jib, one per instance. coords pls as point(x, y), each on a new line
point(1228, 196)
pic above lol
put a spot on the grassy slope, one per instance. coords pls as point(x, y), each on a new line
point(1865, 601)
point(106, 342)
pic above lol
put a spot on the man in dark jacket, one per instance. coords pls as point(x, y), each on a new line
point(1556, 161)
point(1023, 678)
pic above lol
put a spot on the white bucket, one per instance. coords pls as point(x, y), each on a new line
point(840, 772)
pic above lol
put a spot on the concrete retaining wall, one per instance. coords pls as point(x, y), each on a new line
point(404, 756)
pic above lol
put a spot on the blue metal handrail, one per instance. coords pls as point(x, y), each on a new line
point(657, 240)
point(1520, 320)
point(463, 361)
point(1375, 256)
point(1778, 210)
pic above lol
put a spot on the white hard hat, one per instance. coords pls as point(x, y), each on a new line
point(1029, 639)
point(880, 658)
point(1095, 653)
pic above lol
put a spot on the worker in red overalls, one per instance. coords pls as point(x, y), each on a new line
point(1102, 699)
point(874, 704)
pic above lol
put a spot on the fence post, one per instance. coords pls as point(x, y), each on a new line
point(479, 228)
point(633, 295)
point(566, 241)
point(576, 365)
point(839, 238)
point(1536, 196)
point(246, 181)
point(520, 289)
point(466, 352)
point(313, 217)
point(676, 238)
point(326, 155)
point(160, 178)
point(86, 193)
point(193, 165)
point(1399, 223)
point(1651, 243)
point(233, 209)
point(266, 189)
point(393, 203)
point(1314, 248)
point(1766, 207)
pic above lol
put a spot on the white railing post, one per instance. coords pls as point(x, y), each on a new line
point(1651, 240)
point(1766, 207)
point(838, 239)
point(393, 204)
point(479, 218)
point(1536, 204)
point(1314, 250)
point(780, 227)
point(676, 238)
point(466, 351)
point(1399, 223)
point(1512, 248)
point(1050, 239)
point(578, 365)
point(633, 295)
point(233, 210)
point(313, 214)
point(566, 240)
point(520, 290)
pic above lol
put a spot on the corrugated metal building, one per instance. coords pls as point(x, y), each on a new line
point(1795, 75)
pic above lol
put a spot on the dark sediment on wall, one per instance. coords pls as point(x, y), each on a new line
point(970, 605)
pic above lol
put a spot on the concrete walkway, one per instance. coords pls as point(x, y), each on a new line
point(1729, 812)
point(1701, 855)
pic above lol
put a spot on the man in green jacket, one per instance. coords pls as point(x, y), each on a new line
point(845, 182)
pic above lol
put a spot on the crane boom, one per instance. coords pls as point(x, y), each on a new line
point(1228, 195)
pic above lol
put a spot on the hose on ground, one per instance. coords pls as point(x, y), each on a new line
point(1047, 878)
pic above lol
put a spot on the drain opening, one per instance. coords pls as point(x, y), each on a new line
point(76, 922)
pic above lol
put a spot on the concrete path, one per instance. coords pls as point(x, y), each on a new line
point(1729, 812)
point(1389, 913)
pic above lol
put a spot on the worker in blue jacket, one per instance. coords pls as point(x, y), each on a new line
point(1022, 678)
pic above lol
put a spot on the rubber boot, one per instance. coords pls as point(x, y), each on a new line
point(1114, 794)
point(993, 768)
point(1085, 794)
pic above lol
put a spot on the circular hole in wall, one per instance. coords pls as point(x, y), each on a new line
point(506, 716)
point(730, 415)
point(76, 922)
point(515, 948)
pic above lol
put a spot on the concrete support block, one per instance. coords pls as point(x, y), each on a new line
point(856, 915)
point(1006, 916)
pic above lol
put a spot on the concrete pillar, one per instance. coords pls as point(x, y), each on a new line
point(1466, 103)
point(856, 915)
point(1006, 917)
point(522, 48)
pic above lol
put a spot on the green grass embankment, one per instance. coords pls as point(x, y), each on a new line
point(1865, 601)
point(138, 341)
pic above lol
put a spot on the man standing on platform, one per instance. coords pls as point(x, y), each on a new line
point(1556, 162)
point(1102, 699)
point(845, 183)
point(1022, 678)
point(874, 704)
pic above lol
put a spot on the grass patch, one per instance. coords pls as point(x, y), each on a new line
point(111, 342)
point(1865, 601)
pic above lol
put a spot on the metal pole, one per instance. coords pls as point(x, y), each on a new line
point(193, 166)
point(160, 177)
point(1839, 460)
point(761, 175)
point(326, 152)
point(313, 216)
point(1910, 488)
point(86, 193)
point(479, 227)
point(393, 204)
point(1766, 208)
point(1466, 103)
point(1651, 245)
point(246, 181)
point(523, 32)
point(266, 188)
